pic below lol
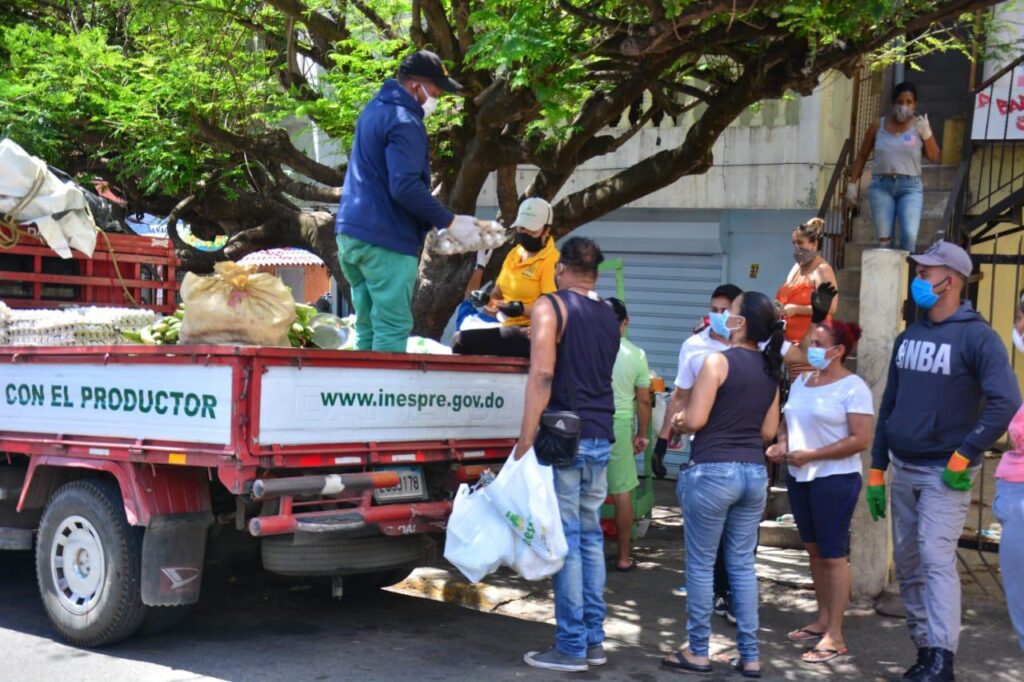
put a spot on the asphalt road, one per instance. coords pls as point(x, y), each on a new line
point(254, 626)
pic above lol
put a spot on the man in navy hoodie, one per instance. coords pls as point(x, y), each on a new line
point(386, 206)
point(950, 394)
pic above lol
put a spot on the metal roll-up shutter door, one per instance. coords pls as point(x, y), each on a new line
point(666, 294)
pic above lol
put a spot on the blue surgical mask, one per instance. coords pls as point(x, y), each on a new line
point(717, 321)
point(923, 293)
point(816, 358)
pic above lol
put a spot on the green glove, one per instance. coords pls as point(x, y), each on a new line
point(955, 475)
point(876, 493)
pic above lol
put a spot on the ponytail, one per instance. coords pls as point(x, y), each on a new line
point(773, 351)
point(764, 327)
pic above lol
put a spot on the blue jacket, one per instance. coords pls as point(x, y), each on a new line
point(950, 389)
point(386, 199)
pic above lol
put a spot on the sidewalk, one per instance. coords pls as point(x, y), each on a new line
point(646, 620)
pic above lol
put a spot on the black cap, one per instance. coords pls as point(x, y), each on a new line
point(426, 64)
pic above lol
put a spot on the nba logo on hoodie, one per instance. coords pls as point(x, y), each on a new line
point(924, 356)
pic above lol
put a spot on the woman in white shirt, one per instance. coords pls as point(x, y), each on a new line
point(828, 422)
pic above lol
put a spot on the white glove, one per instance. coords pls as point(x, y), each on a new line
point(852, 192)
point(483, 258)
point(464, 228)
point(924, 128)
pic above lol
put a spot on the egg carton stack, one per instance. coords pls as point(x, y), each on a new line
point(74, 326)
point(5, 316)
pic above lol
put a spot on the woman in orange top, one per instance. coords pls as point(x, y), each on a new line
point(809, 271)
point(527, 273)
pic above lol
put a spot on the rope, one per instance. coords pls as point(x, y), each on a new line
point(10, 231)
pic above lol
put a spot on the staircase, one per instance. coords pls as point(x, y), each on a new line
point(938, 182)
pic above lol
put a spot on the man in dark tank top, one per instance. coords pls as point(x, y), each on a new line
point(574, 341)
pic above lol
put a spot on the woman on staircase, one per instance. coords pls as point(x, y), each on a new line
point(896, 191)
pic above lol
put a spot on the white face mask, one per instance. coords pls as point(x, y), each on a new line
point(430, 105)
point(903, 112)
point(1017, 340)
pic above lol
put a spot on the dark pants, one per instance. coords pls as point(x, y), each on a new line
point(505, 341)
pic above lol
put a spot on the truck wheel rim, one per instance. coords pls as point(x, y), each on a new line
point(76, 564)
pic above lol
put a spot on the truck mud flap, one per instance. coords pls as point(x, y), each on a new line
point(173, 549)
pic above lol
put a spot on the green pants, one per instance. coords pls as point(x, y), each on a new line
point(382, 282)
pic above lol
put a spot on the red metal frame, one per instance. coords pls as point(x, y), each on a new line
point(97, 278)
point(239, 462)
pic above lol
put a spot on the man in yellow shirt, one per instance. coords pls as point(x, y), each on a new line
point(527, 273)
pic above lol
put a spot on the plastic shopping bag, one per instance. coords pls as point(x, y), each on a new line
point(524, 495)
point(477, 540)
point(236, 305)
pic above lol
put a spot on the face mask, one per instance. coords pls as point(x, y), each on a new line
point(803, 256)
point(429, 105)
point(923, 293)
point(529, 242)
point(1018, 341)
point(903, 112)
point(717, 322)
point(816, 358)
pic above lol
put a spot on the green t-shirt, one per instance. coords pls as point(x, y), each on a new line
point(630, 373)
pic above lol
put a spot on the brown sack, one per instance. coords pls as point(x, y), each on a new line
point(236, 305)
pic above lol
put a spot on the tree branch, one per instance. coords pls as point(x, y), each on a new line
point(316, 22)
point(375, 19)
point(274, 145)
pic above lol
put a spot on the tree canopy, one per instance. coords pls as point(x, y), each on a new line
point(190, 108)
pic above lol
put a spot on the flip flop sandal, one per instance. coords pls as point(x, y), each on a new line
point(627, 569)
point(829, 654)
point(680, 663)
point(738, 665)
point(810, 634)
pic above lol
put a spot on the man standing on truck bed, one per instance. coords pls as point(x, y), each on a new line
point(386, 206)
point(574, 341)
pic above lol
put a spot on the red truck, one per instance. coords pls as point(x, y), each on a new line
point(117, 462)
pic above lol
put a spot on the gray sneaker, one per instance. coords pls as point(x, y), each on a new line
point(595, 655)
point(553, 659)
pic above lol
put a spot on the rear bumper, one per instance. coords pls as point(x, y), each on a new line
point(391, 519)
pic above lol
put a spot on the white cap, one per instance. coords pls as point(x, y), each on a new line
point(534, 214)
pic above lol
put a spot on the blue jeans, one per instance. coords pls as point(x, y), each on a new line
point(722, 501)
point(1008, 507)
point(900, 198)
point(579, 586)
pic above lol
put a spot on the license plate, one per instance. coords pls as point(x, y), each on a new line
point(411, 485)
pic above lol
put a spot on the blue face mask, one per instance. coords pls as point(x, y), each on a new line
point(816, 358)
point(923, 293)
point(717, 321)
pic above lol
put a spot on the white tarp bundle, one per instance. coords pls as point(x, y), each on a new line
point(59, 209)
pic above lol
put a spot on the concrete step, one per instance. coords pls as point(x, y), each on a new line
point(848, 280)
point(848, 309)
point(784, 535)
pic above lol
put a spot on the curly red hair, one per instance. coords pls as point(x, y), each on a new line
point(846, 334)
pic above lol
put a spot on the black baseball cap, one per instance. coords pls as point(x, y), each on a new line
point(426, 64)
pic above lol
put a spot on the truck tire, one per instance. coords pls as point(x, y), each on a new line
point(328, 556)
point(88, 564)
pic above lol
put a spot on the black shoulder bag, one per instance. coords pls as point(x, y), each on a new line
point(558, 436)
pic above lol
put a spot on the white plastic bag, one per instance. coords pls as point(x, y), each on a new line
point(477, 540)
point(73, 229)
point(524, 495)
